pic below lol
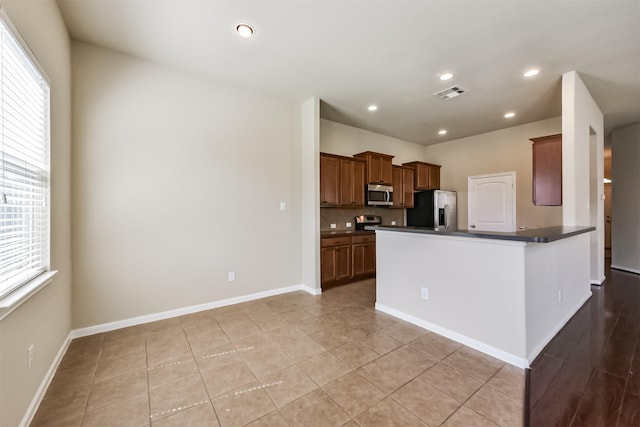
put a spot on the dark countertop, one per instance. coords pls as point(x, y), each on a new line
point(339, 233)
point(534, 235)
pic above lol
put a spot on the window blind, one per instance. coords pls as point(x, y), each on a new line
point(24, 165)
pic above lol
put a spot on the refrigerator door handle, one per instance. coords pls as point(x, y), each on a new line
point(446, 216)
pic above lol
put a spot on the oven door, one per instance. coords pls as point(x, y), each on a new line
point(379, 195)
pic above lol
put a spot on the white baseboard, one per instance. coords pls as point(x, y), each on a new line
point(312, 291)
point(627, 269)
point(598, 282)
point(134, 321)
point(533, 354)
point(462, 339)
point(44, 384)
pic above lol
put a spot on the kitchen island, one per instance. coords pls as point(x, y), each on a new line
point(505, 294)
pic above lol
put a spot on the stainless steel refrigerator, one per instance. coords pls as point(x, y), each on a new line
point(434, 209)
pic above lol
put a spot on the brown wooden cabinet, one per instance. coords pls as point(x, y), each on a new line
point(427, 175)
point(352, 176)
point(378, 167)
point(335, 259)
point(363, 250)
point(547, 170)
point(342, 181)
point(347, 258)
point(403, 186)
point(329, 181)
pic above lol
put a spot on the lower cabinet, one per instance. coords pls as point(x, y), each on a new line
point(336, 263)
point(363, 249)
point(347, 259)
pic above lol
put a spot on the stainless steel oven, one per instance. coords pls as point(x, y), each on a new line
point(379, 195)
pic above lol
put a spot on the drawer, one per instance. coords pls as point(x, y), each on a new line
point(363, 239)
point(335, 241)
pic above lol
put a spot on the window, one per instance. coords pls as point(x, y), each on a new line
point(24, 165)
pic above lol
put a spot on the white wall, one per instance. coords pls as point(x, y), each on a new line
point(583, 166)
point(625, 209)
point(177, 181)
point(504, 150)
point(310, 161)
point(336, 138)
point(45, 319)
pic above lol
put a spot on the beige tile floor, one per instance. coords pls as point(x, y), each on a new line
point(287, 360)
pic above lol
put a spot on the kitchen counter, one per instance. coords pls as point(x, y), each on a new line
point(338, 233)
point(534, 235)
point(505, 294)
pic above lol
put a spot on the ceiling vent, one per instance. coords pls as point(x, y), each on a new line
point(450, 92)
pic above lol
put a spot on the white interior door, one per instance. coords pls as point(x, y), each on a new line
point(492, 202)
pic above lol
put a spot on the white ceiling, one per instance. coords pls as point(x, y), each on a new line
point(352, 53)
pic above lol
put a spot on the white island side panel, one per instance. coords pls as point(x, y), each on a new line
point(476, 288)
point(558, 284)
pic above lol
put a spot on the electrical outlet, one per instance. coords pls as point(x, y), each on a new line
point(393, 223)
point(559, 295)
point(232, 276)
point(283, 206)
point(30, 357)
point(348, 224)
point(424, 293)
point(333, 226)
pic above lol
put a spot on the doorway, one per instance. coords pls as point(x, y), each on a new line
point(607, 202)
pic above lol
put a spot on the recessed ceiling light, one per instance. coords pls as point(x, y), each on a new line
point(509, 115)
point(532, 72)
point(245, 30)
point(446, 76)
point(372, 107)
point(442, 132)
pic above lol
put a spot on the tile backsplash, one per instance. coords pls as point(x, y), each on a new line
point(340, 216)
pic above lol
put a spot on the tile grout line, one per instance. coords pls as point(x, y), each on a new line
point(195, 361)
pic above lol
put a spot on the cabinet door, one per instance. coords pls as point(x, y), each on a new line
point(385, 170)
point(422, 177)
point(358, 259)
point(434, 177)
point(407, 187)
point(352, 183)
point(329, 181)
point(427, 176)
point(346, 183)
point(358, 183)
point(328, 265)
point(370, 258)
point(374, 169)
point(343, 262)
point(547, 170)
point(397, 181)
point(364, 259)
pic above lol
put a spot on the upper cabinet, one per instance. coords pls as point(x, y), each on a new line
point(547, 170)
point(342, 181)
point(427, 175)
point(403, 179)
point(378, 170)
point(352, 174)
point(329, 181)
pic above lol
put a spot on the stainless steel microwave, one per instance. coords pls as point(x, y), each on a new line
point(379, 195)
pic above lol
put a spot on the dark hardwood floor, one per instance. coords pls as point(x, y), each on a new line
point(588, 375)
